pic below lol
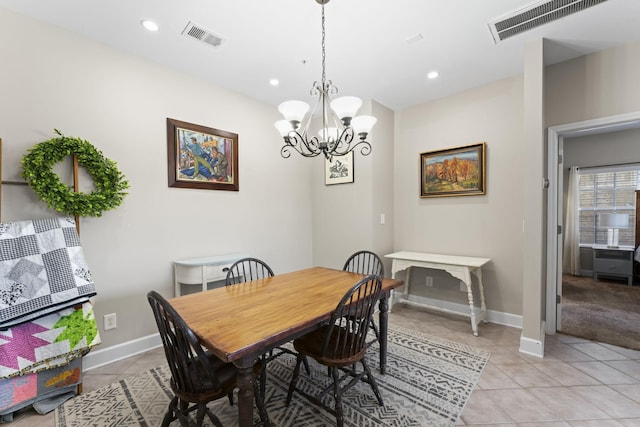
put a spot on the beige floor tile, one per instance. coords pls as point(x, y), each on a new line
point(526, 375)
point(522, 406)
point(567, 404)
point(629, 367)
point(604, 373)
point(631, 354)
point(631, 422)
point(599, 351)
point(565, 374)
point(610, 401)
point(596, 423)
point(565, 353)
point(546, 424)
point(632, 391)
point(506, 355)
point(481, 409)
point(493, 378)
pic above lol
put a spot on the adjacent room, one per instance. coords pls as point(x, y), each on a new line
point(413, 200)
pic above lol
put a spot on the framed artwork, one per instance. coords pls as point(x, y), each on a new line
point(456, 171)
point(338, 170)
point(201, 157)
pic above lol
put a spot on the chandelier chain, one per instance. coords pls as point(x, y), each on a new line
point(323, 49)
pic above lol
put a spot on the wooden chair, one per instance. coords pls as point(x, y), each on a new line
point(197, 376)
point(340, 345)
point(246, 270)
point(366, 262)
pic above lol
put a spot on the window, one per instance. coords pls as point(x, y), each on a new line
point(607, 190)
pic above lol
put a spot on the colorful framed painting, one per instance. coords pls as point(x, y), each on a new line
point(456, 171)
point(201, 157)
point(338, 170)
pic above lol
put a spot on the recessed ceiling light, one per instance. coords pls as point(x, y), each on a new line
point(149, 25)
point(432, 74)
point(274, 82)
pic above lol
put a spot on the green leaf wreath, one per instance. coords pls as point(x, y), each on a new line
point(110, 184)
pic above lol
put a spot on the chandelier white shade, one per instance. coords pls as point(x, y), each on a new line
point(339, 123)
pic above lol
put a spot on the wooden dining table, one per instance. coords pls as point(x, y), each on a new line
point(239, 323)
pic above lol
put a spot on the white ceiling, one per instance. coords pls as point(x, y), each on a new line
point(367, 54)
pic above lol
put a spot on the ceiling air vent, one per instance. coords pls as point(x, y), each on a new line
point(536, 15)
point(198, 32)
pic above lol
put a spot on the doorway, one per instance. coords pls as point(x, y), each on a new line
point(555, 138)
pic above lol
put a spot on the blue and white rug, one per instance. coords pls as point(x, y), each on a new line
point(428, 383)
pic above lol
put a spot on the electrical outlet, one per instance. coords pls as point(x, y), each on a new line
point(110, 321)
point(428, 281)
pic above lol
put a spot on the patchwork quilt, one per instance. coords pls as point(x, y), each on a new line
point(48, 342)
point(42, 270)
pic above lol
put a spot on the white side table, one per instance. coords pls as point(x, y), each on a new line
point(460, 267)
point(202, 270)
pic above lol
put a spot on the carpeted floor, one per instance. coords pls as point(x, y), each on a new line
point(428, 383)
point(604, 311)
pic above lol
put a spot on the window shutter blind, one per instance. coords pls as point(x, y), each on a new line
point(607, 190)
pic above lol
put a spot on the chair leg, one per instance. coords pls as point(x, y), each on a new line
point(375, 329)
point(372, 382)
point(263, 377)
point(294, 379)
point(306, 365)
point(338, 398)
point(262, 410)
point(200, 414)
point(169, 416)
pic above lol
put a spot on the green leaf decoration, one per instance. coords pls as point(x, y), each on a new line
point(77, 326)
point(37, 170)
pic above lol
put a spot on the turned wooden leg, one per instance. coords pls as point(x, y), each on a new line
point(383, 319)
point(245, 392)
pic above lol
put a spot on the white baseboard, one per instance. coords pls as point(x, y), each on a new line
point(500, 318)
point(531, 346)
point(104, 356)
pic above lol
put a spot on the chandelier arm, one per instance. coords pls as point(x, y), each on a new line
point(365, 150)
point(342, 145)
point(304, 147)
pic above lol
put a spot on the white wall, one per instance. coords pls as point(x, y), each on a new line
point(485, 226)
point(346, 217)
point(589, 87)
point(51, 78)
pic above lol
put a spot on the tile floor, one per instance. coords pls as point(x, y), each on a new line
point(578, 383)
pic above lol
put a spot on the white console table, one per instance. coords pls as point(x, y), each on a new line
point(201, 271)
point(460, 267)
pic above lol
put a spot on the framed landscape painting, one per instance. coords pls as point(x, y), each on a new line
point(201, 157)
point(456, 171)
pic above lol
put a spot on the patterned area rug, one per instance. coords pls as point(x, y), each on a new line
point(428, 382)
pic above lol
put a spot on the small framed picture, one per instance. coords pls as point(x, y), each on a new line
point(338, 170)
point(201, 157)
point(458, 171)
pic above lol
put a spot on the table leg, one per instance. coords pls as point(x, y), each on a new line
point(483, 304)
point(245, 392)
point(472, 314)
point(383, 320)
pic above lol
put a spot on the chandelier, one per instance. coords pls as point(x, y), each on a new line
point(340, 125)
